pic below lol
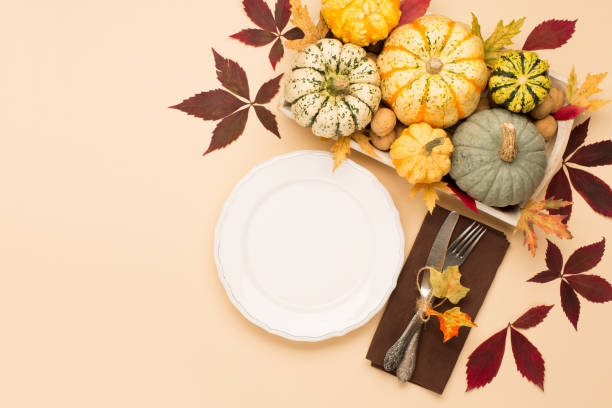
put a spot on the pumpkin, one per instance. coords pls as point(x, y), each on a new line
point(422, 154)
point(499, 157)
point(519, 81)
point(433, 71)
point(361, 22)
point(333, 88)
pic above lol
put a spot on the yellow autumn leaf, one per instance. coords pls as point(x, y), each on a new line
point(535, 213)
point(476, 26)
point(364, 143)
point(447, 284)
point(572, 85)
point(500, 39)
point(590, 86)
point(451, 320)
point(301, 19)
point(341, 148)
point(429, 193)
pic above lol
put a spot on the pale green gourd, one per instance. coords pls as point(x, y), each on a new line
point(499, 157)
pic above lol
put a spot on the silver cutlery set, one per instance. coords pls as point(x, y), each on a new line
point(401, 356)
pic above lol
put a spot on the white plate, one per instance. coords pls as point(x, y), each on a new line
point(306, 253)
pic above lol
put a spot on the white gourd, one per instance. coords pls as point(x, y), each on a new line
point(333, 88)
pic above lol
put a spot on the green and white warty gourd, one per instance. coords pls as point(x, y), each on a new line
point(333, 88)
point(499, 157)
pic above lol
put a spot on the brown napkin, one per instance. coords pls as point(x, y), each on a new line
point(435, 359)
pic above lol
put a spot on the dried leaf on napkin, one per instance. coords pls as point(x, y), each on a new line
point(451, 321)
point(447, 285)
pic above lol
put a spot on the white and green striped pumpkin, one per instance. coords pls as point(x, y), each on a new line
point(333, 88)
point(499, 157)
point(519, 81)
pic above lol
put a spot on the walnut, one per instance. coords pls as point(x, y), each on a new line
point(547, 127)
point(383, 142)
point(551, 104)
point(384, 122)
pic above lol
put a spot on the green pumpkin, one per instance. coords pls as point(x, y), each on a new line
point(499, 157)
point(519, 81)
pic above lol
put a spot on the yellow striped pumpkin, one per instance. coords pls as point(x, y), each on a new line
point(433, 71)
point(519, 81)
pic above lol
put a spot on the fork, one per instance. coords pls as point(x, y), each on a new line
point(456, 253)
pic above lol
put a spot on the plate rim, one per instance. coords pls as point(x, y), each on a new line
point(336, 333)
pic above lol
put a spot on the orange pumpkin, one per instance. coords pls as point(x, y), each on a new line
point(433, 71)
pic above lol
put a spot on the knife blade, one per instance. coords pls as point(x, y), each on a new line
point(437, 253)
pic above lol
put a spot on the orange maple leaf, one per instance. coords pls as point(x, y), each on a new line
point(536, 213)
point(451, 320)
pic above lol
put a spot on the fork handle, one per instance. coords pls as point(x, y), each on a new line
point(408, 364)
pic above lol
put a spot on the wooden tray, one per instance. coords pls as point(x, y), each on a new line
point(509, 215)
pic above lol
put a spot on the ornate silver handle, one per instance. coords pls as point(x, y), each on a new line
point(408, 364)
point(395, 354)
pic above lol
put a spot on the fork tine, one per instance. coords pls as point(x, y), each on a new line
point(467, 240)
point(469, 249)
point(459, 239)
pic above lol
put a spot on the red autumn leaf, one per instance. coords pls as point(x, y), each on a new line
point(577, 137)
point(282, 13)
point(550, 34)
point(554, 262)
point(268, 90)
point(484, 362)
point(544, 277)
point(559, 188)
point(585, 258)
point(468, 201)
point(211, 105)
point(592, 287)
point(594, 190)
point(570, 303)
point(596, 154)
point(569, 112)
point(532, 317)
point(232, 76)
point(228, 130)
point(276, 52)
point(554, 259)
point(267, 119)
point(527, 358)
point(412, 9)
point(254, 37)
point(294, 34)
point(260, 14)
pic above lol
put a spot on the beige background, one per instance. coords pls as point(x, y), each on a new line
point(109, 296)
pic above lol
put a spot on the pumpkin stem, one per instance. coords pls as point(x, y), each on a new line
point(508, 149)
point(434, 66)
point(433, 143)
point(338, 84)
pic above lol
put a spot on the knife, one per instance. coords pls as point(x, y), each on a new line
point(408, 341)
